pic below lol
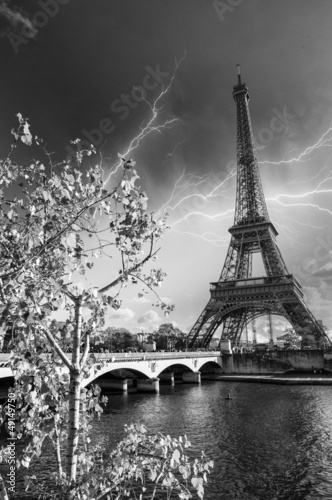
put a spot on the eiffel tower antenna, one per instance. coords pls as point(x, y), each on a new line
point(238, 297)
point(239, 74)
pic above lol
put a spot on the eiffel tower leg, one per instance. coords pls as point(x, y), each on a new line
point(238, 262)
point(304, 322)
point(229, 269)
point(203, 324)
point(273, 261)
point(208, 322)
point(233, 327)
point(244, 264)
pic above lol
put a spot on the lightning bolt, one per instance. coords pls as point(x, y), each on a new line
point(314, 177)
point(316, 191)
point(214, 238)
point(179, 187)
point(322, 142)
point(198, 185)
point(151, 126)
point(190, 190)
point(322, 180)
point(179, 196)
point(212, 194)
point(215, 217)
point(312, 205)
point(289, 232)
point(296, 221)
point(173, 152)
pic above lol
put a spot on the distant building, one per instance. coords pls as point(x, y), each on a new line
point(289, 338)
point(214, 344)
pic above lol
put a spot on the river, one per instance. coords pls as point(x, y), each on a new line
point(270, 442)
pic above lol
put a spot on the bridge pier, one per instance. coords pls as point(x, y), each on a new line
point(132, 385)
point(167, 378)
point(120, 384)
point(227, 363)
point(191, 377)
point(148, 385)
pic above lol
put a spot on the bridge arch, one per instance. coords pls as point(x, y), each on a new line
point(142, 372)
point(257, 310)
point(210, 365)
point(150, 368)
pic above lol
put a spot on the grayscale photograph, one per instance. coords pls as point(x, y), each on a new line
point(165, 250)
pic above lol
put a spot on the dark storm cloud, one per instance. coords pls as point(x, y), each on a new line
point(87, 59)
point(18, 20)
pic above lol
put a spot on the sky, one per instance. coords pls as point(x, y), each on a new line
point(77, 68)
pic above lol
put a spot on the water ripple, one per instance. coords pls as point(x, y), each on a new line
point(268, 443)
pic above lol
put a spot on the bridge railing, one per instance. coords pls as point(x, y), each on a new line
point(146, 356)
point(135, 356)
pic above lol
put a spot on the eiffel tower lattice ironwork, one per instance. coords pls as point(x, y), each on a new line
point(237, 298)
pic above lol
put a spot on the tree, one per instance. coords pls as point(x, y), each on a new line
point(168, 337)
point(116, 339)
point(310, 336)
point(51, 220)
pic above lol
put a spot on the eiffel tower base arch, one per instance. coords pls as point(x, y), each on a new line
point(236, 303)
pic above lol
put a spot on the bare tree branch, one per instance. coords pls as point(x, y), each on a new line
point(56, 347)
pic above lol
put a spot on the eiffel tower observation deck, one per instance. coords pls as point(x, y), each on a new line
point(238, 297)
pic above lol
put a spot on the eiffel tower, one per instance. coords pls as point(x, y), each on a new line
point(237, 298)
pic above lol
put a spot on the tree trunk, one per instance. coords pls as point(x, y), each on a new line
point(3, 491)
point(74, 396)
point(58, 448)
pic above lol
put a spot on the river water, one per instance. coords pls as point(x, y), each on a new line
point(270, 442)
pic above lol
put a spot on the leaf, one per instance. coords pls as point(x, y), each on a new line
point(26, 461)
point(26, 138)
point(152, 475)
point(186, 471)
point(197, 483)
point(71, 240)
point(176, 455)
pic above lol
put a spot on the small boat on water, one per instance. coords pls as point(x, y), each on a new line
point(228, 397)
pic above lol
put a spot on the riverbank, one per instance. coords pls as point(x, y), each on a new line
point(282, 378)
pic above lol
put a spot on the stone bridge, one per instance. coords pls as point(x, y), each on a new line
point(144, 371)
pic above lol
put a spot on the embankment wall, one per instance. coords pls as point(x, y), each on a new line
point(273, 361)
